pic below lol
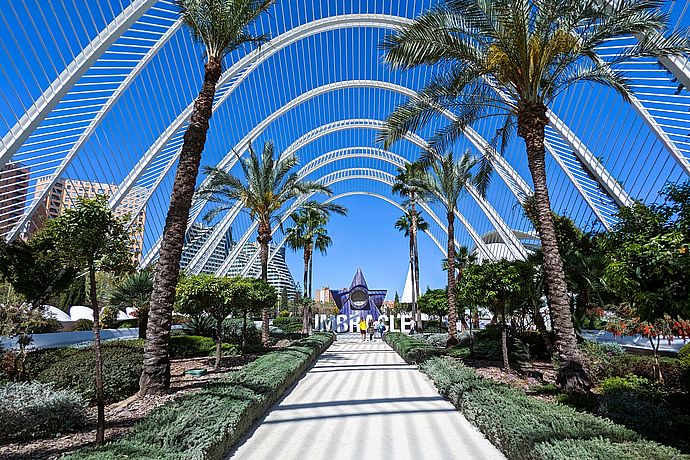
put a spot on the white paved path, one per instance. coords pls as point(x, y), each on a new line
point(362, 401)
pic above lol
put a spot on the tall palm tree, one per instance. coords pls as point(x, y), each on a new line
point(445, 182)
point(410, 223)
point(406, 187)
point(268, 184)
point(530, 51)
point(222, 26)
point(309, 233)
point(463, 259)
point(135, 291)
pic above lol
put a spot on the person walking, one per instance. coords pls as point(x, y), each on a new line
point(382, 328)
point(371, 329)
point(363, 328)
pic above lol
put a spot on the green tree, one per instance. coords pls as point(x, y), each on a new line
point(35, 269)
point(493, 285)
point(463, 259)
point(134, 291)
point(267, 185)
point(648, 265)
point(90, 237)
point(406, 185)
point(511, 59)
point(445, 183)
point(214, 296)
point(222, 26)
point(434, 302)
point(260, 295)
point(309, 233)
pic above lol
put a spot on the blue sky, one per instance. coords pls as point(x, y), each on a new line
point(366, 239)
point(374, 245)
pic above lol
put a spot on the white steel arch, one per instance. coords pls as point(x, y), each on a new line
point(340, 176)
point(11, 142)
point(355, 193)
point(242, 68)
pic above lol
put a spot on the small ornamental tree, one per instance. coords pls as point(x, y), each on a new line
point(135, 291)
point(259, 295)
point(434, 302)
point(215, 296)
point(492, 285)
point(90, 237)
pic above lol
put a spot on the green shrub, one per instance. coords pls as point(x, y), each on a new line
point(285, 320)
point(202, 325)
point(684, 362)
point(276, 333)
point(527, 428)
point(191, 346)
point(604, 449)
point(83, 325)
point(410, 348)
point(206, 423)
point(34, 410)
point(232, 332)
point(433, 327)
point(122, 363)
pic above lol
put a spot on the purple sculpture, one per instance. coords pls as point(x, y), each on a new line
point(359, 299)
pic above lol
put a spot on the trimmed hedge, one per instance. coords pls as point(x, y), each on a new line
point(410, 348)
point(190, 346)
point(35, 410)
point(207, 423)
point(526, 428)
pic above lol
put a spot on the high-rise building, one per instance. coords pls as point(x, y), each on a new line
point(323, 295)
point(14, 182)
point(279, 275)
point(195, 238)
point(65, 192)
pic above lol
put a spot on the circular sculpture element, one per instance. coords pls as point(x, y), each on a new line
point(360, 299)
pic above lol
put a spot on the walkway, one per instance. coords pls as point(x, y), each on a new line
point(362, 401)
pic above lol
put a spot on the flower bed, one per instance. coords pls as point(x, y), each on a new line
point(207, 423)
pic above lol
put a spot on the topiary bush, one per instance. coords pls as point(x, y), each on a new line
point(34, 410)
point(207, 423)
point(202, 325)
point(122, 364)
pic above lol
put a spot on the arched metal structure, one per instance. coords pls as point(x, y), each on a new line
point(101, 93)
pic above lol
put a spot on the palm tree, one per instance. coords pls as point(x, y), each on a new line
point(268, 183)
point(406, 187)
point(410, 223)
point(463, 259)
point(530, 51)
point(222, 26)
point(309, 233)
point(135, 291)
point(445, 183)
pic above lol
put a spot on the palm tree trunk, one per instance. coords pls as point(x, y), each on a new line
point(571, 375)
point(452, 315)
point(264, 239)
point(155, 376)
point(100, 404)
point(143, 322)
point(305, 317)
point(414, 294)
point(310, 291)
point(219, 340)
point(418, 320)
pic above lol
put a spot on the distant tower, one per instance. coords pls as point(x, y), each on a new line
point(359, 299)
point(407, 291)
